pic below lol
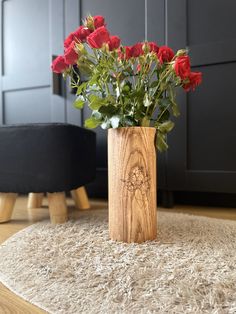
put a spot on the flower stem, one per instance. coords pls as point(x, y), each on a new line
point(145, 122)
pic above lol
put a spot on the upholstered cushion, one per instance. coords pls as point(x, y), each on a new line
point(46, 157)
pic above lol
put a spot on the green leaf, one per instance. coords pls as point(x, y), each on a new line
point(95, 102)
point(127, 87)
point(81, 88)
point(138, 94)
point(91, 123)
point(96, 115)
point(79, 103)
point(161, 144)
point(166, 126)
point(84, 68)
point(163, 115)
point(175, 109)
point(110, 99)
point(146, 101)
point(172, 97)
point(129, 121)
point(106, 124)
point(115, 121)
point(139, 114)
point(94, 79)
point(154, 84)
point(109, 110)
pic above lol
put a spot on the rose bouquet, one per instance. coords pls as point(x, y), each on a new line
point(124, 85)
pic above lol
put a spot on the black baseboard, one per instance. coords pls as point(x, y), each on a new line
point(204, 199)
point(99, 187)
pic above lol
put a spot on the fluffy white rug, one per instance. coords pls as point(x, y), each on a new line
point(75, 268)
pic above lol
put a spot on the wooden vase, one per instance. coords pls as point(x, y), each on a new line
point(132, 184)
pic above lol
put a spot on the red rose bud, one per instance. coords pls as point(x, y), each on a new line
point(126, 54)
point(59, 65)
point(82, 33)
point(114, 42)
point(99, 37)
point(182, 67)
point(98, 21)
point(195, 79)
point(137, 50)
point(71, 56)
point(138, 68)
point(69, 40)
point(153, 47)
point(165, 54)
point(79, 35)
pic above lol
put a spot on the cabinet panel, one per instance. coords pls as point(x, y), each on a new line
point(156, 21)
point(211, 123)
point(210, 21)
point(27, 106)
point(124, 18)
point(202, 152)
point(31, 32)
point(25, 37)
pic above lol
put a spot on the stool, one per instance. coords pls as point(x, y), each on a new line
point(45, 158)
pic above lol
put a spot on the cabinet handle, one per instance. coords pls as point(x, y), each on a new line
point(56, 82)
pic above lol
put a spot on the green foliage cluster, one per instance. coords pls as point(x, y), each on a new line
point(125, 92)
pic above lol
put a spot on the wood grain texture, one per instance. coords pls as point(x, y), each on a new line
point(35, 200)
point(132, 184)
point(57, 207)
point(80, 198)
point(7, 202)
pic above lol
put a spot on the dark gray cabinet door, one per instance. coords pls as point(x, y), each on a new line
point(31, 32)
point(202, 154)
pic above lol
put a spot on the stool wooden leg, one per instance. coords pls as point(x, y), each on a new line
point(35, 200)
point(57, 207)
point(7, 202)
point(80, 198)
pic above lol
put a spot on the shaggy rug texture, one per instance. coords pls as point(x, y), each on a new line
point(75, 268)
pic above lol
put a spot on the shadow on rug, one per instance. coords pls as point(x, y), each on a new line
point(75, 268)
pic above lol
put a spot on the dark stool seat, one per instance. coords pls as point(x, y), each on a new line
point(38, 158)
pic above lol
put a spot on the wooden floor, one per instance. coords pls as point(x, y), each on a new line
point(12, 304)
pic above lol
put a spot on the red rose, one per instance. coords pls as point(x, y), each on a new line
point(71, 55)
point(128, 50)
point(82, 33)
point(69, 40)
point(165, 54)
point(98, 21)
point(182, 66)
point(79, 35)
point(59, 65)
point(114, 42)
point(137, 50)
point(153, 47)
point(125, 55)
point(195, 79)
point(99, 37)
